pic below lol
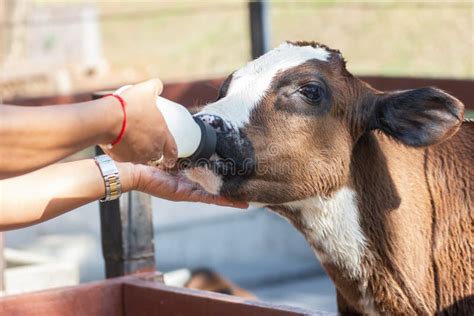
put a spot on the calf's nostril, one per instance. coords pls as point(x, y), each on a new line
point(234, 151)
point(215, 121)
point(218, 123)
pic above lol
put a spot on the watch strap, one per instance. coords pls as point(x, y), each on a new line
point(110, 173)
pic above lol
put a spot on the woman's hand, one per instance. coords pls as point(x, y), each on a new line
point(164, 185)
point(66, 186)
point(33, 137)
point(147, 136)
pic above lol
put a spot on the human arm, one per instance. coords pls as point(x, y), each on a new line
point(49, 192)
point(33, 137)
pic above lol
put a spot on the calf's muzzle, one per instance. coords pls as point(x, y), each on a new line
point(234, 152)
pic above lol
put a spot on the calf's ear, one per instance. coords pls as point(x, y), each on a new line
point(419, 117)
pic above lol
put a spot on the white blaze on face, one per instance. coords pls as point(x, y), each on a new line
point(249, 84)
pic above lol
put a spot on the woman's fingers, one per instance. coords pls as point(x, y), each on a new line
point(170, 152)
point(164, 185)
point(157, 84)
point(219, 200)
point(202, 196)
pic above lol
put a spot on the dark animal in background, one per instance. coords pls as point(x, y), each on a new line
point(207, 280)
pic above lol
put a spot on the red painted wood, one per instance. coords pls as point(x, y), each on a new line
point(199, 92)
point(461, 89)
point(144, 298)
point(93, 299)
point(136, 295)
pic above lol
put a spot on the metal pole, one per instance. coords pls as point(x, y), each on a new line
point(259, 27)
point(127, 231)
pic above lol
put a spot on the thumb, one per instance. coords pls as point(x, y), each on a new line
point(155, 84)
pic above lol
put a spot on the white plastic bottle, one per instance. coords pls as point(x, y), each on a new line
point(194, 138)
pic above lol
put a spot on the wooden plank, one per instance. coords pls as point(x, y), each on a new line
point(462, 89)
point(127, 232)
point(92, 299)
point(195, 93)
point(191, 93)
point(137, 295)
point(147, 298)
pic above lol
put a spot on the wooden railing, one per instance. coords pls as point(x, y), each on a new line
point(198, 92)
point(139, 295)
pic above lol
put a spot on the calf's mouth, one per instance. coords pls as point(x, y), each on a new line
point(233, 162)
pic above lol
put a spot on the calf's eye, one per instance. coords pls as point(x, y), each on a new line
point(311, 92)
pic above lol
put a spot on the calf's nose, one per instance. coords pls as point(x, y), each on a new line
point(233, 146)
point(215, 121)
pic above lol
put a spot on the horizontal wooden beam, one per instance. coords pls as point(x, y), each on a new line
point(461, 89)
point(194, 93)
point(138, 295)
point(91, 299)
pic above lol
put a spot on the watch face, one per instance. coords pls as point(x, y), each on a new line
point(108, 168)
point(113, 188)
point(107, 165)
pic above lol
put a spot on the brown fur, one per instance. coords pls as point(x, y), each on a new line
point(420, 259)
point(426, 234)
point(412, 178)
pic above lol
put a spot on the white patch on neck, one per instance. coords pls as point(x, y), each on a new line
point(335, 228)
point(250, 83)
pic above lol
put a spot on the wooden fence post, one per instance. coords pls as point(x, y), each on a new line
point(127, 232)
point(259, 27)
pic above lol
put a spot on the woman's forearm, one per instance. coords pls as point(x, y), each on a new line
point(33, 137)
point(54, 190)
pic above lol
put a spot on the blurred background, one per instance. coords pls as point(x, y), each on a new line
point(51, 47)
point(61, 51)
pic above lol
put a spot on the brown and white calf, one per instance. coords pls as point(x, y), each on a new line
point(379, 183)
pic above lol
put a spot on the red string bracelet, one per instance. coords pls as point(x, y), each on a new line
point(124, 122)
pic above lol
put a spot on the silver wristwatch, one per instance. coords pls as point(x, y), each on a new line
point(110, 173)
